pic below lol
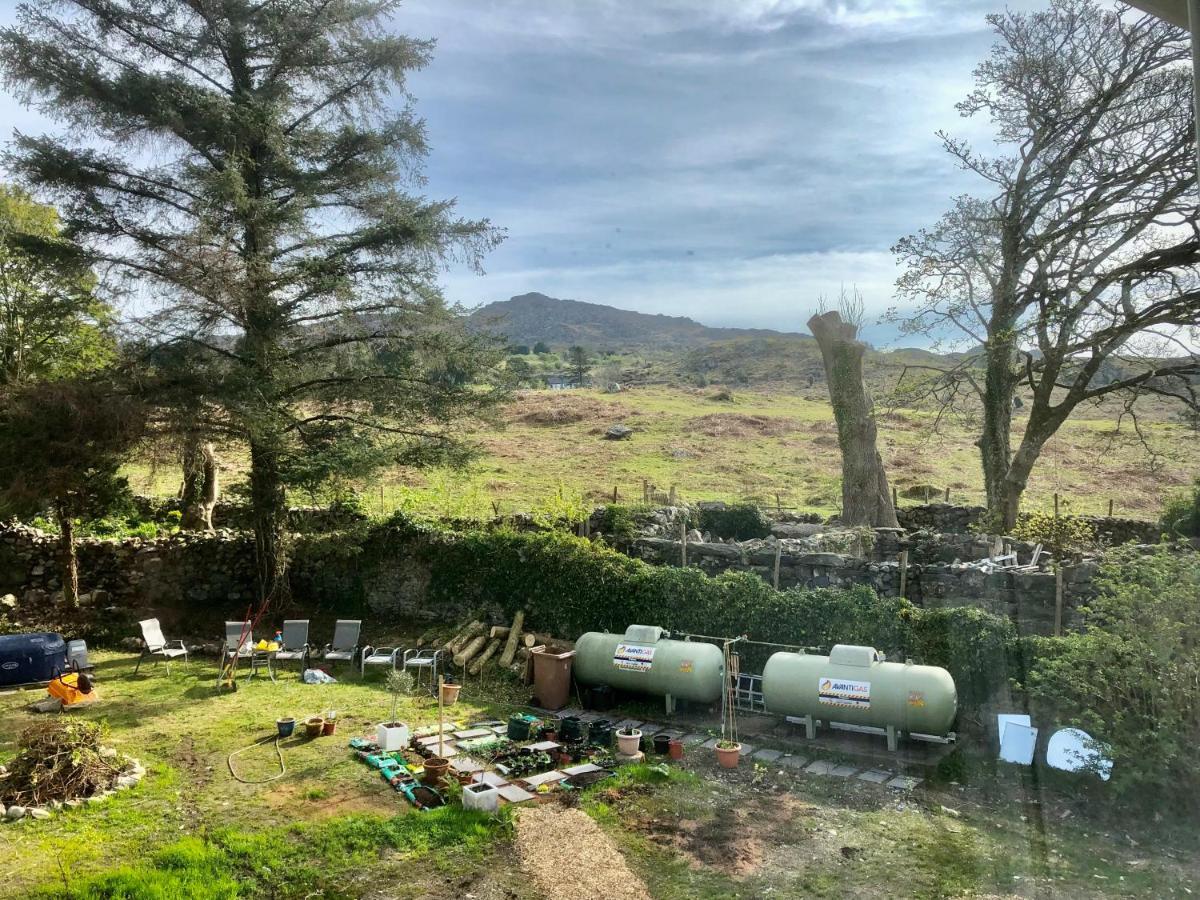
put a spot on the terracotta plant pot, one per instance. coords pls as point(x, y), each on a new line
point(450, 693)
point(629, 742)
point(435, 770)
point(329, 727)
point(675, 749)
point(728, 756)
point(314, 726)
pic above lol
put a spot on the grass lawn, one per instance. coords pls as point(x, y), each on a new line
point(761, 444)
point(331, 828)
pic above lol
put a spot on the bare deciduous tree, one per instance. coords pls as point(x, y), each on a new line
point(1077, 279)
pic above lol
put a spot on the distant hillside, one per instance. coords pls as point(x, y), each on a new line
point(530, 318)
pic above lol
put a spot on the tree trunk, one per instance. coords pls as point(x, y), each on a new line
point(69, 561)
point(270, 525)
point(866, 497)
point(995, 449)
point(191, 494)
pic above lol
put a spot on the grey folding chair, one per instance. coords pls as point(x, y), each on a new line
point(426, 659)
point(239, 644)
point(154, 644)
point(295, 642)
point(377, 656)
point(344, 646)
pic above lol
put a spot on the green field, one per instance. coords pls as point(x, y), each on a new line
point(774, 446)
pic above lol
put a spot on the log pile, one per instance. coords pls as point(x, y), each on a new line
point(476, 646)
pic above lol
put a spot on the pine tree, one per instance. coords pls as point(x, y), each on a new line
point(255, 166)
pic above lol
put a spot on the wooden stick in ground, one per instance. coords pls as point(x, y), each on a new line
point(441, 730)
point(1058, 600)
point(903, 572)
point(778, 557)
point(463, 656)
point(481, 660)
point(514, 637)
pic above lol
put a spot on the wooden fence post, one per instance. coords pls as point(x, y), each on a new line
point(1056, 504)
point(947, 495)
point(778, 556)
point(903, 572)
point(1058, 599)
point(895, 502)
point(614, 493)
point(1110, 507)
point(683, 542)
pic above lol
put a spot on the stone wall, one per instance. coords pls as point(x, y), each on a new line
point(1026, 598)
point(946, 518)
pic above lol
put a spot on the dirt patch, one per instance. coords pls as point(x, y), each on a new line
point(317, 801)
point(739, 425)
point(597, 871)
point(554, 411)
point(737, 840)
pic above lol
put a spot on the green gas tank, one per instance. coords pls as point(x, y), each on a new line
point(856, 686)
point(646, 661)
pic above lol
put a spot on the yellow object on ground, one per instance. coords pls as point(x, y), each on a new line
point(65, 688)
point(269, 646)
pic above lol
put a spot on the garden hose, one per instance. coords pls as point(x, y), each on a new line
point(278, 752)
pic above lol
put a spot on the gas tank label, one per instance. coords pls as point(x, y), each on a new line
point(633, 657)
point(840, 692)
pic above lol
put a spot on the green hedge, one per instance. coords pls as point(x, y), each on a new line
point(568, 585)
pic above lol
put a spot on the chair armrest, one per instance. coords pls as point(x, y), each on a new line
point(179, 642)
point(368, 648)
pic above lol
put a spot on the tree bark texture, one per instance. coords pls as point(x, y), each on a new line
point(866, 496)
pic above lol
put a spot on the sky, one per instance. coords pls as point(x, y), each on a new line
point(727, 160)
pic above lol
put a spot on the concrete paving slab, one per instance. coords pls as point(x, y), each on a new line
point(747, 749)
point(768, 756)
point(875, 776)
point(793, 762)
point(710, 744)
point(844, 771)
point(514, 794)
point(650, 728)
point(466, 764)
point(492, 778)
point(473, 733)
point(904, 782)
point(582, 769)
point(545, 778)
point(690, 739)
point(627, 723)
point(820, 767)
point(545, 745)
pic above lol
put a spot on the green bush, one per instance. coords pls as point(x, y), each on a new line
point(741, 521)
point(1061, 536)
point(1181, 513)
point(1131, 678)
point(618, 522)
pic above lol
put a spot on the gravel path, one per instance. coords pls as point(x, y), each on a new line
point(567, 855)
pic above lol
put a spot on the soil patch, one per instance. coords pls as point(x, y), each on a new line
point(739, 425)
point(547, 835)
point(313, 801)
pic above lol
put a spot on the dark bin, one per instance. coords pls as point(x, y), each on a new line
point(27, 658)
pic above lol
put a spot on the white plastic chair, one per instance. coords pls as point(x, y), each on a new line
point(239, 644)
point(157, 645)
point(344, 646)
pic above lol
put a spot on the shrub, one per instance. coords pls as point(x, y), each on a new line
point(618, 522)
point(741, 521)
point(1062, 536)
point(1132, 678)
point(1181, 513)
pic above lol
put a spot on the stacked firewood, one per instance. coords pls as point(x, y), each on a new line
point(477, 645)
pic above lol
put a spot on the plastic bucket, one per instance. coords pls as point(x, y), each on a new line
point(286, 726)
point(662, 744)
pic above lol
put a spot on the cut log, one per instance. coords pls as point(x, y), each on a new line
point(529, 639)
point(463, 656)
point(514, 635)
point(463, 637)
point(499, 631)
point(481, 660)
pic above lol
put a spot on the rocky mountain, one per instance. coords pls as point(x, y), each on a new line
point(529, 318)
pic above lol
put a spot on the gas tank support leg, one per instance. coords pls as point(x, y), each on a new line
point(670, 704)
point(893, 737)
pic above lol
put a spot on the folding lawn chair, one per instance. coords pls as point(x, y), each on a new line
point(154, 644)
point(239, 644)
point(295, 642)
point(344, 646)
point(423, 659)
point(377, 656)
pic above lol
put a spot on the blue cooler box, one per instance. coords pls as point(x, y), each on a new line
point(26, 658)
